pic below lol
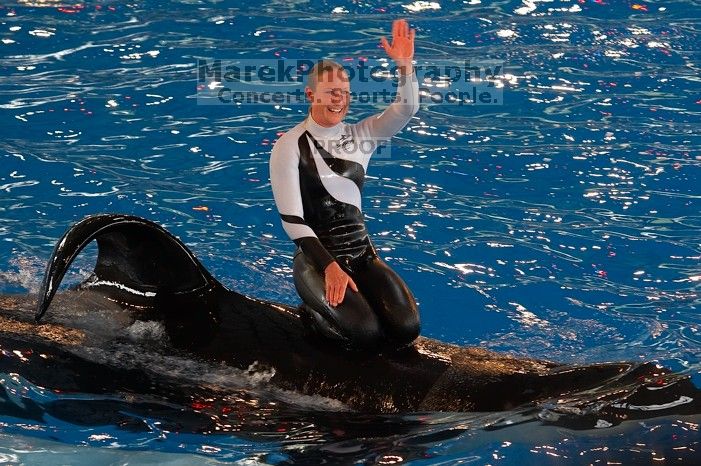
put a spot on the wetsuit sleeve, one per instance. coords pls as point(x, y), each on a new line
point(388, 123)
point(284, 178)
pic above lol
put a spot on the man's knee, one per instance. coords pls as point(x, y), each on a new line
point(365, 334)
point(352, 327)
point(404, 331)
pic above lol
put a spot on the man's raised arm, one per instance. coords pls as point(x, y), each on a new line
point(397, 115)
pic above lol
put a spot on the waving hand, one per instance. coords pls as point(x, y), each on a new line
point(402, 48)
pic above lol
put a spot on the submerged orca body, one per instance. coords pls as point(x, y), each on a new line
point(150, 273)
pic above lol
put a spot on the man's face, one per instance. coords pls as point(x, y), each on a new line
point(330, 99)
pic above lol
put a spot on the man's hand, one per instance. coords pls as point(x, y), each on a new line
point(402, 48)
point(336, 282)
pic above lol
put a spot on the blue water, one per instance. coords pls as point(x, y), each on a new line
point(561, 223)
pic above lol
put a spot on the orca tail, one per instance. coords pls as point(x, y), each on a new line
point(138, 262)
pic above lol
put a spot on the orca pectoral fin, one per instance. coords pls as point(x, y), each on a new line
point(137, 261)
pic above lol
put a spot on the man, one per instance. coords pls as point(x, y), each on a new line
point(317, 170)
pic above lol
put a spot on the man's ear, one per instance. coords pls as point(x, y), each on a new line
point(309, 93)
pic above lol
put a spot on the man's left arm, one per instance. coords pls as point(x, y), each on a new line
point(406, 104)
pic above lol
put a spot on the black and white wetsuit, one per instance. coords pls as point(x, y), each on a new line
point(317, 176)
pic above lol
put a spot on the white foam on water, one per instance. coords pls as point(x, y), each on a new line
point(145, 331)
point(215, 376)
point(25, 271)
point(100, 319)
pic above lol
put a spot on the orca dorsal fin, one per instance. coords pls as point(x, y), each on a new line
point(137, 259)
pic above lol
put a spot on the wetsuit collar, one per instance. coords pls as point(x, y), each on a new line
point(322, 132)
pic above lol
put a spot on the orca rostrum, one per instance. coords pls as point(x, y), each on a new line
point(152, 276)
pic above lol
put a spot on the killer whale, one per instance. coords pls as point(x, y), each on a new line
point(147, 271)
